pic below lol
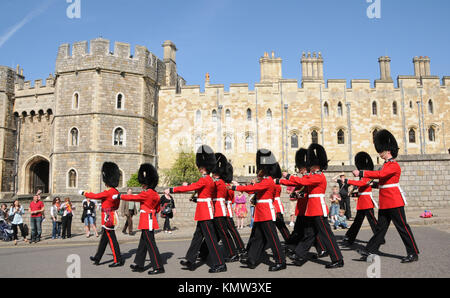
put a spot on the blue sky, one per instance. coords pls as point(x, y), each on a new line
point(227, 37)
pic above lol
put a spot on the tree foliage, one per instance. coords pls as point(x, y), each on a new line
point(183, 170)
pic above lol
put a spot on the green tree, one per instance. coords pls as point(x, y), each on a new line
point(183, 170)
point(133, 182)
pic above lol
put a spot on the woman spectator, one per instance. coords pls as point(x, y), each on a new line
point(240, 209)
point(16, 211)
point(67, 218)
point(4, 212)
point(55, 213)
point(167, 203)
point(88, 217)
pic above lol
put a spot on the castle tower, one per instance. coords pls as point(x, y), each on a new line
point(170, 51)
point(270, 68)
point(312, 67)
point(422, 66)
point(106, 110)
point(385, 68)
point(7, 130)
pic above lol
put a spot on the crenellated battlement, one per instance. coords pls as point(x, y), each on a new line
point(38, 86)
point(96, 55)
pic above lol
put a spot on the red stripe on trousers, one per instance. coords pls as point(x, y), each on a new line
point(212, 241)
point(112, 246)
point(329, 239)
point(241, 245)
point(273, 238)
point(154, 253)
point(415, 249)
point(226, 238)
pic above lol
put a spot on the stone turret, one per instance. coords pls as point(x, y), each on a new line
point(385, 68)
point(312, 66)
point(422, 66)
point(270, 68)
point(170, 51)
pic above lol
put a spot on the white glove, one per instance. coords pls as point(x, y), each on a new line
point(115, 197)
point(81, 192)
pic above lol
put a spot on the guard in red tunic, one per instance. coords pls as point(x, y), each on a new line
point(149, 206)
point(204, 213)
point(264, 229)
point(366, 203)
point(316, 209)
point(111, 176)
point(279, 209)
point(392, 199)
point(220, 209)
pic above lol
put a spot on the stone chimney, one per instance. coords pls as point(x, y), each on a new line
point(385, 68)
point(270, 68)
point(422, 66)
point(312, 66)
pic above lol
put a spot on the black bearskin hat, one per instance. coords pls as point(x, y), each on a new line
point(221, 165)
point(228, 177)
point(205, 158)
point(266, 161)
point(300, 158)
point(317, 156)
point(385, 141)
point(363, 161)
point(277, 174)
point(111, 174)
point(148, 175)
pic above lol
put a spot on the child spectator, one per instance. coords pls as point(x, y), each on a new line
point(335, 198)
point(341, 220)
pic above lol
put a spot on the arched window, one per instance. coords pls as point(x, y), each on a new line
point(326, 111)
point(431, 134)
point(394, 108)
point(228, 115)
point(119, 137)
point(249, 115)
point(228, 145)
point(374, 108)
point(119, 101)
point(269, 115)
point(430, 107)
point(249, 144)
point(76, 101)
point(72, 179)
point(412, 135)
point(340, 137)
point(314, 137)
point(73, 137)
point(339, 109)
point(152, 110)
point(214, 116)
point(294, 141)
point(198, 116)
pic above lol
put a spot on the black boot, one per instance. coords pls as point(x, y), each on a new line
point(277, 267)
point(337, 264)
point(156, 271)
point(118, 264)
point(96, 262)
point(410, 259)
point(136, 268)
point(218, 268)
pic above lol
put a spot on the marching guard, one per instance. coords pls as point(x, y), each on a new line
point(316, 209)
point(204, 213)
point(279, 208)
point(111, 176)
point(264, 229)
point(392, 199)
point(365, 203)
point(149, 206)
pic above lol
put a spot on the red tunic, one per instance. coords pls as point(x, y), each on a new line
point(230, 202)
point(150, 205)
point(265, 191)
point(300, 208)
point(364, 199)
point(389, 177)
point(277, 203)
point(206, 190)
point(220, 208)
point(109, 206)
point(316, 185)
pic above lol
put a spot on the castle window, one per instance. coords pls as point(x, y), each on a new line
point(249, 115)
point(76, 101)
point(119, 101)
point(314, 137)
point(394, 108)
point(228, 144)
point(340, 137)
point(228, 115)
point(339, 110)
point(326, 111)
point(431, 134)
point(430, 107)
point(152, 110)
point(73, 137)
point(249, 144)
point(119, 137)
point(410, 104)
point(72, 179)
point(214, 116)
point(374, 108)
point(412, 135)
point(269, 115)
point(294, 141)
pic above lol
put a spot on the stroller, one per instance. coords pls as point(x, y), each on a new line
point(6, 233)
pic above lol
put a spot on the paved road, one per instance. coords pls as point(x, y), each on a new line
point(50, 260)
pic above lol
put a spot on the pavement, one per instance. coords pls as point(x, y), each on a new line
point(441, 217)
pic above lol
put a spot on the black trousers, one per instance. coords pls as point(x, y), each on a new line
point(344, 204)
point(167, 224)
point(281, 225)
point(359, 218)
point(299, 232)
point(205, 232)
point(235, 234)
point(265, 232)
point(318, 226)
point(66, 226)
point(22, 230)
point(108, 237)
point(147, 243)
point(220, 223)
point(398, 217)
point(128, 223)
